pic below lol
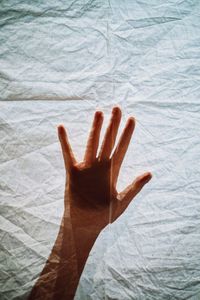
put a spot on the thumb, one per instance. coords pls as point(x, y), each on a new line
point(127, 195)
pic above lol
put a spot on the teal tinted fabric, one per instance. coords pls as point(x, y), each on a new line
point(59, 62)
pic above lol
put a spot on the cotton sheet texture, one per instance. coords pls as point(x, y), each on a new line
point(59, 62)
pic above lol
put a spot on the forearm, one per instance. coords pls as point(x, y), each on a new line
point(86, 226)
point(60, 276)
point(84, 241)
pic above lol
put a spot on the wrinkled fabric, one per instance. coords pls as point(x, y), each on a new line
point(59, 62)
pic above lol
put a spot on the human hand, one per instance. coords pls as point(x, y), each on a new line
point(91, 194)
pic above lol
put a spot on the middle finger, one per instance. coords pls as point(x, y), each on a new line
point(111, 133)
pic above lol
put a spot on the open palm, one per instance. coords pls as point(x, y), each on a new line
point(91, 184)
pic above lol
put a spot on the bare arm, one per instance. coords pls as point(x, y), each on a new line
point(91, 202)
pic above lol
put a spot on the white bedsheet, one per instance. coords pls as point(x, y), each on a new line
point(59, 62)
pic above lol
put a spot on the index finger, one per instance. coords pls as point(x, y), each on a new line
point(122, 146)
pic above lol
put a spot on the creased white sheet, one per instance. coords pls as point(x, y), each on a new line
point(69, 58)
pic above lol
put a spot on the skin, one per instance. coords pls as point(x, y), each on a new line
point(91, 202)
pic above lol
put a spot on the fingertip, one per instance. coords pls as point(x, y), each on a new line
point(131, 119)
point(131, 122)
point(147, 176)
point(99, 114)
point(116, 110)
point(144, 178)
point(61, 130)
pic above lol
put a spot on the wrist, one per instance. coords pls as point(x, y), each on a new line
point(86, 222)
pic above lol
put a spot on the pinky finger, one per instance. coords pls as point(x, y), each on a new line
point(67, 152)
